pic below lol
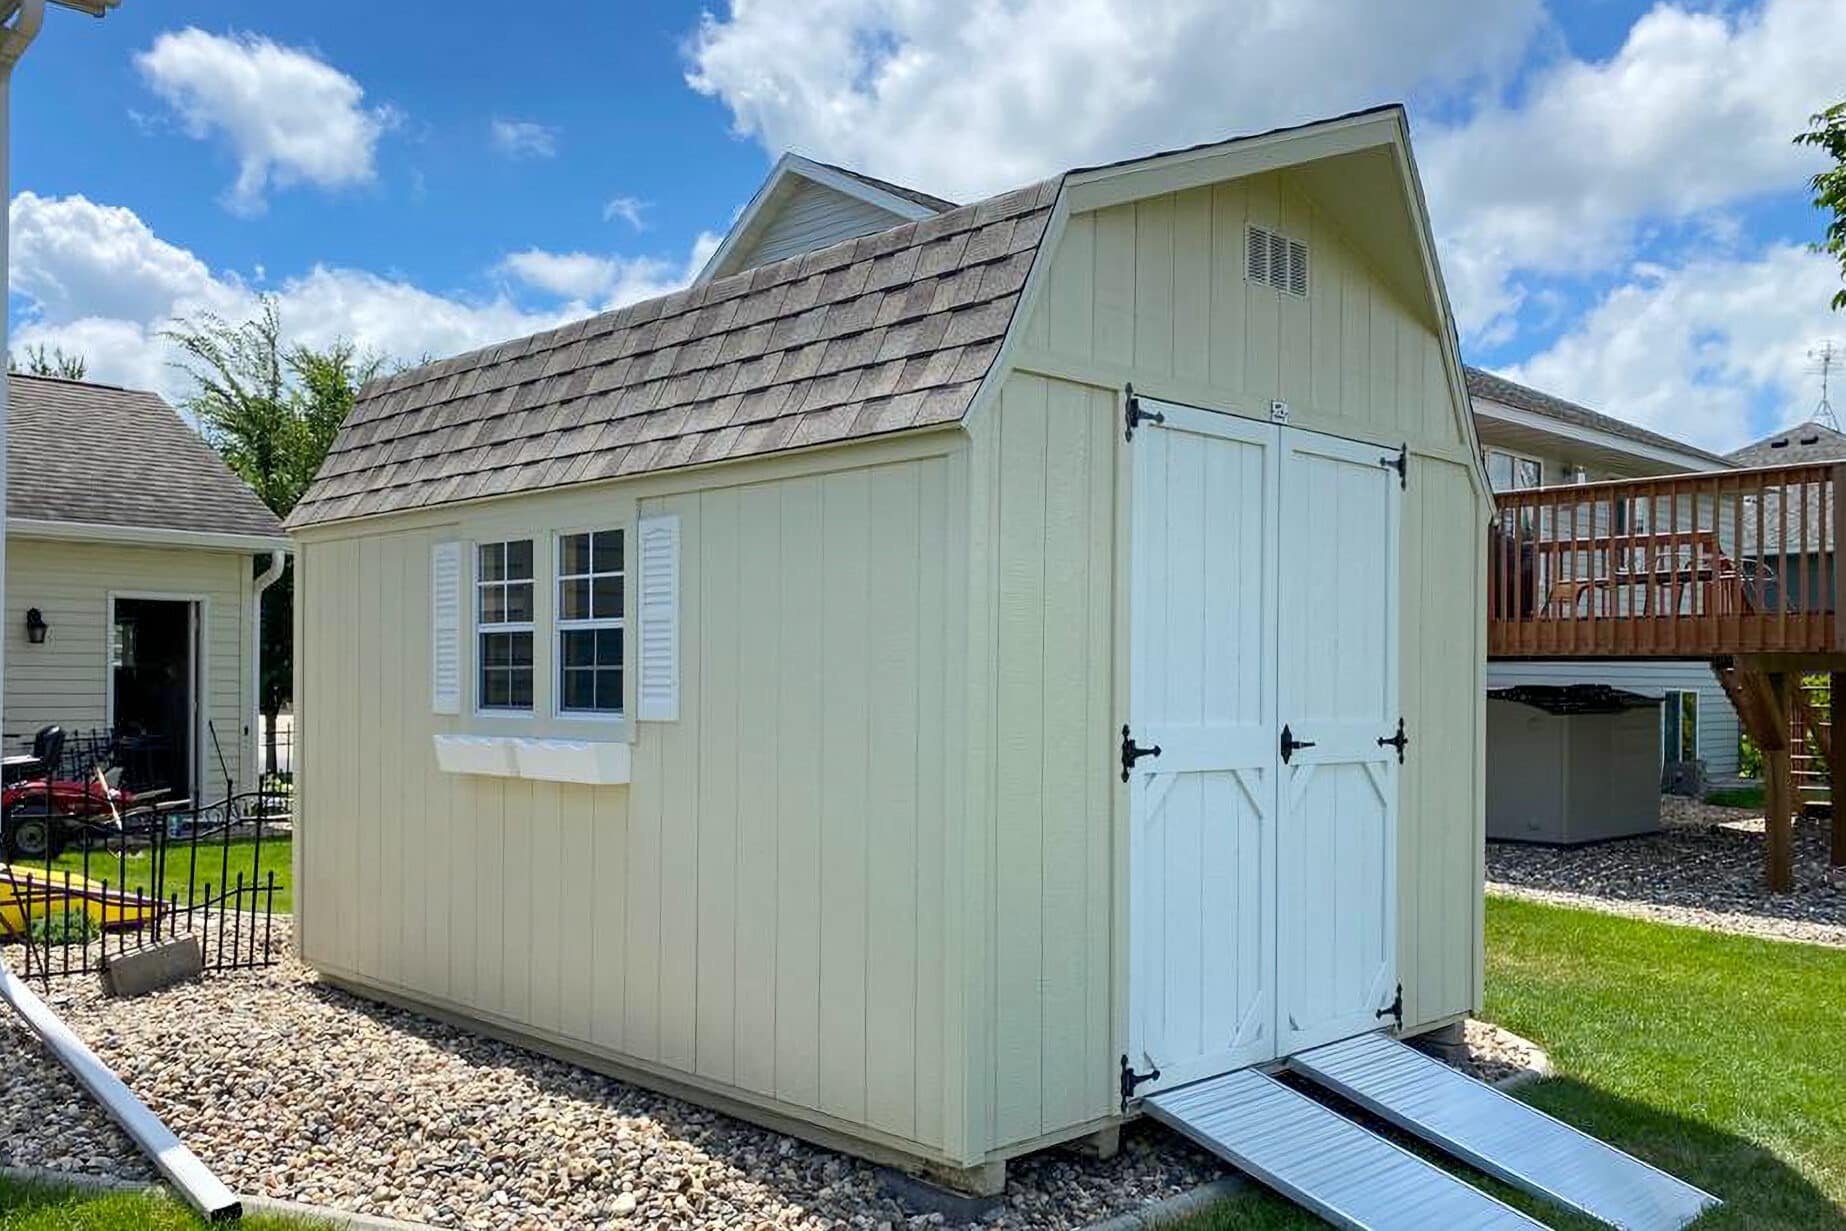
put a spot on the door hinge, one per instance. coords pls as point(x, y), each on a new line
point(1400, 741)
point(1401, 464)
point(1133, 416)
point(1290, 744)
point(1132, 752)
point(1130, 1079)
point(1393, 1010)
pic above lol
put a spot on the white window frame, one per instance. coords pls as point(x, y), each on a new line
point(482, 627)
point(1487, 456)
point(560, 625)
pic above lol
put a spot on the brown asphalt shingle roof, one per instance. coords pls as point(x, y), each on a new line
point(80, 452)
point(889, 331)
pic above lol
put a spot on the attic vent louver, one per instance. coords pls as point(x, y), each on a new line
point(1276, 261)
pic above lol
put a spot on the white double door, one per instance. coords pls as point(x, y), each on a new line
point(1264, 596)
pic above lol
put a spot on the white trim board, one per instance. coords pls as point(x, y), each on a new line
point(145, 536)
point(1487, 408)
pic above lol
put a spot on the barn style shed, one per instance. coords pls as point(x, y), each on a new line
point(909, 691)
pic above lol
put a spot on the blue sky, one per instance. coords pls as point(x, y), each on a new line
point(1621, 215)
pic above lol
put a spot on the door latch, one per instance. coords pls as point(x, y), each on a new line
point(1290, 744)
point(1131, 1079)
point(1400, 741)
point(1132, 752)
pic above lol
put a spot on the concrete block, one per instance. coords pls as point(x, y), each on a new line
point(141, 971)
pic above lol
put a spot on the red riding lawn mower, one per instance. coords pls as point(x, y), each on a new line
point(39, 813)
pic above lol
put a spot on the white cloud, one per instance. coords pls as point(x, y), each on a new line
point(1713, 351)
point(1695, 112)
point(101, 284)
point(970, 98)
point(628, 209)
point(524, 139)
point(287, 116)
point(609, 280)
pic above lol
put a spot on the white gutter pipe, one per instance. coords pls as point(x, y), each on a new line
point(190, 1178)
point(182, 1168)
point(272, 573)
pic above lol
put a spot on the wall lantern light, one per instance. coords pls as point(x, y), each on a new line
point(36, 628)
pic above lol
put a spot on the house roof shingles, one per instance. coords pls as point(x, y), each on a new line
point(1808, 442)
point(878, 334)
point(1484, 384)
point(99, 455)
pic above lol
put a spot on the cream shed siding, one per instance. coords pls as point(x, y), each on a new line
point(66, 679)
point(1154, 293)
point(762, 911)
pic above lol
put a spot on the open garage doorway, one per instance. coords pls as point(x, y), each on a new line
point(155, 669)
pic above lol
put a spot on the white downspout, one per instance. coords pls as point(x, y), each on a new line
point(278, 561)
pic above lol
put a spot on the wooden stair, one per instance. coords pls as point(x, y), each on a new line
point(1811, 743)
point(1790, 718)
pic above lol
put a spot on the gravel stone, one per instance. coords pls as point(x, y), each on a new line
point(291, 1088)
point(1703, 869)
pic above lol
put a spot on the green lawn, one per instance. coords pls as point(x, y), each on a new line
point(213, 861)
point(37, 1207)
point(1719, 1058)
point(1736, 797)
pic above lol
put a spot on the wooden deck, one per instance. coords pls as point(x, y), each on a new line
point(1689, 566)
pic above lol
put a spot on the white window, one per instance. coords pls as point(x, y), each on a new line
point(1679, 726)
point(589, 623)
point(1509, 472)
point(503, 623)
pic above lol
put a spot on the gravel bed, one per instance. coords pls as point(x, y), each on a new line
point(1496, 1055)
point(1704, 869)
point(293, 1089)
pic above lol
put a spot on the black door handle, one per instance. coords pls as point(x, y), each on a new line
point(1132, 752)
point(1290, 743)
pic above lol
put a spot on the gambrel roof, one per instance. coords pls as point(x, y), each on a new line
point(889, 331)
point(882, 333)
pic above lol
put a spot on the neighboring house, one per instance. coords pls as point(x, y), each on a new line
point(136, 555)
point(1806, 575)
point(1533, 439)
point(736, 691)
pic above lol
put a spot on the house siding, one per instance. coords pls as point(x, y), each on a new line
point(66, 679)
point(813, 216)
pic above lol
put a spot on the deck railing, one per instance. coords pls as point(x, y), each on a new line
point(1691, 566)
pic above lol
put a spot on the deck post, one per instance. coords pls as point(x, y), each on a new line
point(1779, 793)
point(1836, 850)
point(1836, 535)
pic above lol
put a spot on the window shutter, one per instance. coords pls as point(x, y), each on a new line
point(657, 689)
point(445, 684)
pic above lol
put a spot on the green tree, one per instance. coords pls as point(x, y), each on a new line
point(271, 410)
point(1827, 130)
point(37, 361)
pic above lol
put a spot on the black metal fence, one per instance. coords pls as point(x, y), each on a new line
point(91, 871)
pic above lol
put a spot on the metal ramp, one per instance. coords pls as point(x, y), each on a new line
point(1318, 1158)
point(1502, 1136)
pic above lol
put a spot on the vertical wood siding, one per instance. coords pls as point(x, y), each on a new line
point(1155, 292)
point(65, 680)
point(761, 908)
point(1049, 456)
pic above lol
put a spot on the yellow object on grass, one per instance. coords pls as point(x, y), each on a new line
point(34, 893)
